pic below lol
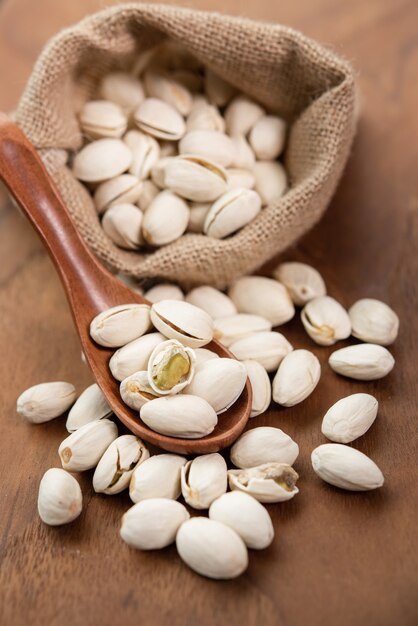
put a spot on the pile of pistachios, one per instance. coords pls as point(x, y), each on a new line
point(180, 388)
point(172, 148)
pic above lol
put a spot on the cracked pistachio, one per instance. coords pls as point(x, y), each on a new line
point(269, 482)
point(42, 403)
point(121, 324)
point(209, 144)
point(100, 118)
point(203, 480)
point(261, 445)
point(159, 119)
point(135, 390)
point(183, 321)
point(195, 178)
point(119, 190)
point(115, 468)
point(232, 211)
point(170, 367)
point(325, 321)
point(122, 224)
point(83, 449)
point(145, 153)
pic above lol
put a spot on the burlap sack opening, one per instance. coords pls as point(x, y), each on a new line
point(300, 80)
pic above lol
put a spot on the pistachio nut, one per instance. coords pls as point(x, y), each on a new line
point(268, 348)
point(267, 137)
point(303, 282)
point(133, 357)
point(214, 302)
point(135, 390)
point(90, 406)
point(183, 321)
point(153, 524)
point(157, 477)
point(123, 89)
point(118, 190)
point(243, 155)
point(101, 160)
point(100, 118)
point(157, 228)
point(203, 480)
point(262, 296)
point(115, 468)
point(160, 119)
point(205, 116)
point(350, 417)
point(374, 321)
point(232, 211)
point(246, 516)
point(184, 416)
point(59, 498)
point(164, 291)
point(211, 549)
point(261, 445)
point(158, 172)
point(121, 324)
point(83, 449)
point(195, 178)
point(145, 153)
point(197, 216)
point(296, 378)
point(366, 361)
point(122, 224)
point(202, 355)
point(166, 88)
point(147, 194)
point(209, 144)
point(218, 90)
point(346, 467)
point(270, 181)
point(268, 483)
point(325, 321)
point(229, 329)
point(238, 178)
point(42, 403)
point(260, 384)
point(170, 367)
point(241, 115)
point(220, 382)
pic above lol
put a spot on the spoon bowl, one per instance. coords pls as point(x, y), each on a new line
point(91, 289)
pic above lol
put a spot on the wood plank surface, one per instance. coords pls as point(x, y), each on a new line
point(338, 558)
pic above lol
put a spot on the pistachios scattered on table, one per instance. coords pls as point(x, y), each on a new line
point(180, 388)
point(173, 151)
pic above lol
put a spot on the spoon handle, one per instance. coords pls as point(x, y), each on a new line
point(28, 181)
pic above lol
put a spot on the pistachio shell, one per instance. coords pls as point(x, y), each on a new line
point(99, 118)
point(164, 291)
point(261, 387)
point(165, 219)
point(42, 403)
point(145, 153)
point(115, 468)
point(263, 445)
point(262, 296)
point(166, 88)
point(123, 89)
point(296, 378)
point(118, 190)
point(346, 467)
point(102, 159)
point(365, 361)
point(59, 499)
point(134, 356)
point(152, 524)
point(241, 115)
point(195, 178)
point(90, 406)
point(83, 449)
point(135, 390)
point(220, 382)
point(350, 417)
point(122, 224)
point(202, 355)
point(185, 416)
point(268, 348)
point(159, 119)
point(185, 322)
point(232, 211)
point(238, 178)
point(214, 302)
point(374, 321)
point(270, 482)
point(209, 144)
point(204, 116)
point(157, 477)
point(243, 155)
point(170, 367)
point(325, 320)
point(158, 172)
point(267, 137)
point(303, 282)
point(203, 480)
point(270, 181)
point(121, 324)
point(229, 329)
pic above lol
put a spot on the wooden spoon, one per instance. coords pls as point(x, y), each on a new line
point(90, 289)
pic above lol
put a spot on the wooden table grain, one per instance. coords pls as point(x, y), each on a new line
point(338, 558)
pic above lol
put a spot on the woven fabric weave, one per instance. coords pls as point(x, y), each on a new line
point(311, 87)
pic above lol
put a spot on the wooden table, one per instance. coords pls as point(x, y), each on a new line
point(338, 558)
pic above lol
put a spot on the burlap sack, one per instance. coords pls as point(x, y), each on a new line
point(303, 82)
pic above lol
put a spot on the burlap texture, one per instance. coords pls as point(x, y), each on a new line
point(303, 82)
